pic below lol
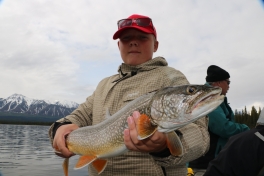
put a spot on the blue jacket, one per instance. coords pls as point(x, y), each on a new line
point(221, 127)
point(222, 123)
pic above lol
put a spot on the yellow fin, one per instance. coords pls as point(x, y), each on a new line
point(65, 166)
point(84, 160)
point(175, 146)
point(145, 127)
point(99, 165)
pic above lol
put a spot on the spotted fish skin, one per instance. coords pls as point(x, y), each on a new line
point(106, 138)
point(166, 109)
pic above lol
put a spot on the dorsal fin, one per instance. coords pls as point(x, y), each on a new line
point(145, 127)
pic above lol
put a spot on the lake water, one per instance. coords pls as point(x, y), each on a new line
point(26, 150)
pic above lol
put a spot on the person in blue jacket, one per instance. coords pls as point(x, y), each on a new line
point(222, 123)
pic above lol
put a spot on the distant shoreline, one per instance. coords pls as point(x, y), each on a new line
point(24, 123)
point(22, 119)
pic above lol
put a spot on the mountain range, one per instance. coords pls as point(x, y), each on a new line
point(20, 104)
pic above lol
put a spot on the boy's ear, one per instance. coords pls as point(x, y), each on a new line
point(156, 46)
point(118, 44)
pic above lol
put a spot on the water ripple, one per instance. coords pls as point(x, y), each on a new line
point(26, 150)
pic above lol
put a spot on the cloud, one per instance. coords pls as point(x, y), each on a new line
point(62, 49)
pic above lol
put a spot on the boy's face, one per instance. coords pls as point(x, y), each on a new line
point(136, 47)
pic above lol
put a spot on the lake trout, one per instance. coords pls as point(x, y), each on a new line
point(164, 110)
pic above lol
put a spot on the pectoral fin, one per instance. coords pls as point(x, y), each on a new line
point(65, 166)
point(174, 144)
point(99, 165)
point(144, 127)
point(84, 160)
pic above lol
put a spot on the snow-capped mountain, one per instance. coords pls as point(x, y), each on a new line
point(18, 103)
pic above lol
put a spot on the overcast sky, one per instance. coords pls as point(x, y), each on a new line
point(60, 50)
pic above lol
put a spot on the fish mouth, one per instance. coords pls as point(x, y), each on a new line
point(204, 104)
point(205, 99)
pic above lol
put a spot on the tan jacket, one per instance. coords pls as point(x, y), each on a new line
point(114, 92)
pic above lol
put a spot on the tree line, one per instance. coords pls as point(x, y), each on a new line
point(23, 119)
point(244, 117)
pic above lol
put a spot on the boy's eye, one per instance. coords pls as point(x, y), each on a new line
point(129, 37)
point(143, 37)
point(125, 38)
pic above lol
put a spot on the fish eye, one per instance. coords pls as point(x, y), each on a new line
point(191, 89)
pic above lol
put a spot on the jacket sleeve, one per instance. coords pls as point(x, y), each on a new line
point(82, 116)
point(220, 125)
point(195, 140)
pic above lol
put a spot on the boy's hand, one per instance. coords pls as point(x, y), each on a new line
point(154, 143)
point(59, 143)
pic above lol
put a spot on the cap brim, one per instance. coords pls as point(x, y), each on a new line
point(143, 29)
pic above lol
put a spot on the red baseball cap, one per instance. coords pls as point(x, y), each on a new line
point(150, 29)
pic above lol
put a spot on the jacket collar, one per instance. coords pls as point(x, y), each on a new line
point(126, 71)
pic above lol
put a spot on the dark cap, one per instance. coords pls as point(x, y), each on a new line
point(215, 73)
point(150, 29)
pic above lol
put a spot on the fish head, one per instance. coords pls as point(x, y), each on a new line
point(173, 107)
